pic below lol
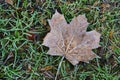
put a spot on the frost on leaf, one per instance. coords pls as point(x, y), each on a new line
point(71, 40)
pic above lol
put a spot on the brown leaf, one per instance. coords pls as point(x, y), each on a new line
point(71, 40)
point(46, 68)
point(111, 34)
point(29, 68)
point(105, 7)
point(9, 1)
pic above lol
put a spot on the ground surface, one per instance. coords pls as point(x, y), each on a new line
point(22, 57)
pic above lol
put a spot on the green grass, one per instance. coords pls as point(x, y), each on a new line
point(30, 56)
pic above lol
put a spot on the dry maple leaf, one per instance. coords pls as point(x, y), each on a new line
point(71, 40)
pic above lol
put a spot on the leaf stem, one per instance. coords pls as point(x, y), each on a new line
point(59, 67)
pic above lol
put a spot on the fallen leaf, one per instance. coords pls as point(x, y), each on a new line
point(105, 7)
point(9, 1)
point(111, 34)
point(71, 40)
point(29, 68)
point(46, 68)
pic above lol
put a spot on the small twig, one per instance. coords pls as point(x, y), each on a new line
point(59, 68)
